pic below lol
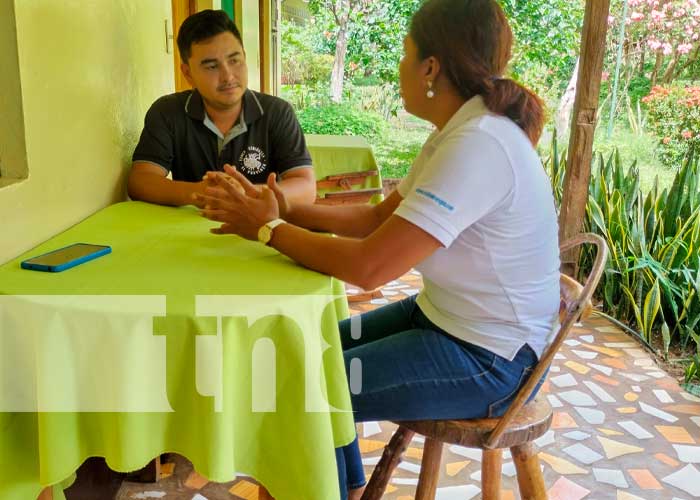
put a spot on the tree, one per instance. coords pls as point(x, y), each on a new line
point(369, 36)
point(376, 44)
point(344, 14)
point(562, 119)
point(547, 34)
point(547, 42)
point(667, 32)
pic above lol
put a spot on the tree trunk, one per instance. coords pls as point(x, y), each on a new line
point(657, 67)
point(668, 74)
point(566, 105)
point(338, 74)
point(691, 60)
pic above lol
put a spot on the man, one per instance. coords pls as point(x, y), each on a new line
point(220, 122)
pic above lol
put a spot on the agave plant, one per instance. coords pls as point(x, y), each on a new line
point(652, 278)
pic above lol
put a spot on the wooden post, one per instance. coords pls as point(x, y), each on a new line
point(265, 27)
point(182, 9)
point(578, 169)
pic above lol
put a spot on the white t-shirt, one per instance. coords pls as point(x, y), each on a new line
point(479, 188)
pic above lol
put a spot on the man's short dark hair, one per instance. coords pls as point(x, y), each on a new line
point(202, 26)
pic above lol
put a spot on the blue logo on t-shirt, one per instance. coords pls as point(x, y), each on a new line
point(436, 199)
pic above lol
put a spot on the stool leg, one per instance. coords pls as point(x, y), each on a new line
point(429, 470)
point(527, 466)
point(491, 474)
point(390, 459)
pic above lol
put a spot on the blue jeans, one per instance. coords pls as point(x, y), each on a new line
point(413, 370)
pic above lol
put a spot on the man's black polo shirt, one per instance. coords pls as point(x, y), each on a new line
point(180, 137)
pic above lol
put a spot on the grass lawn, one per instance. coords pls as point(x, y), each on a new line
point(400, 145)
point(405, 135)
point(640, 147)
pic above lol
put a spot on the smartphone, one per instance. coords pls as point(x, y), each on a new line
point(65, 258)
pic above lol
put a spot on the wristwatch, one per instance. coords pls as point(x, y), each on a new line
point(265, 232)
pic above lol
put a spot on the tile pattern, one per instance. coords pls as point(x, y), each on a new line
point(622, 429)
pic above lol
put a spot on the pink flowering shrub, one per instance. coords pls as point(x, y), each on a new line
point(670, 28)
point(674, 117)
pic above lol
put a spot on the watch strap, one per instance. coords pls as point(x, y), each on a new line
point(274, 223)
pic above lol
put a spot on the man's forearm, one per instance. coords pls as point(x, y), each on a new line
point(299, 190)
point(161, 190)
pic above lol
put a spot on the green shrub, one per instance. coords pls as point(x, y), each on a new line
point(367, 81)
point(692, 376)
point(335, 119)
point(652, 278)
point(303, 60)
point(311, 68)
point(303, 96)
point(674, 117)
point(382, 99)
point(639, 87)
point(538, 78)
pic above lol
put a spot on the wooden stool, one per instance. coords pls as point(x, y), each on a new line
point(522, 423)
point(531, 422)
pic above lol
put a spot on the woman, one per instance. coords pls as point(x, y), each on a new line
point(475, 215)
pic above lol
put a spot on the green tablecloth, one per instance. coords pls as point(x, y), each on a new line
point(340, 154)
point(157, 348)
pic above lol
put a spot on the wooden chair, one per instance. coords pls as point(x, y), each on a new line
point(522, 423)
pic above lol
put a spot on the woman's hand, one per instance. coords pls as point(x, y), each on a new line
point(241, 213)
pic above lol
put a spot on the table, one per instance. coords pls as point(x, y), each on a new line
point(213, 347)
point(341, 154)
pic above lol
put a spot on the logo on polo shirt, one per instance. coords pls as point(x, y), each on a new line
point(439, 201)
point(252, 161)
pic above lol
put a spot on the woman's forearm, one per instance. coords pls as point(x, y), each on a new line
point(353, 221)
point(339, 257)
point(386, 254)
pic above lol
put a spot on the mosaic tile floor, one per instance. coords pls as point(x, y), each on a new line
point(623, 429)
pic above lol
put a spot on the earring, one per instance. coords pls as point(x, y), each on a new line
point(431, 92)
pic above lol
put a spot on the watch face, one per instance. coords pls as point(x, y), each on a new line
point(264, 234)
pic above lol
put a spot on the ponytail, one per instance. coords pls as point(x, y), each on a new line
point(508, 98)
